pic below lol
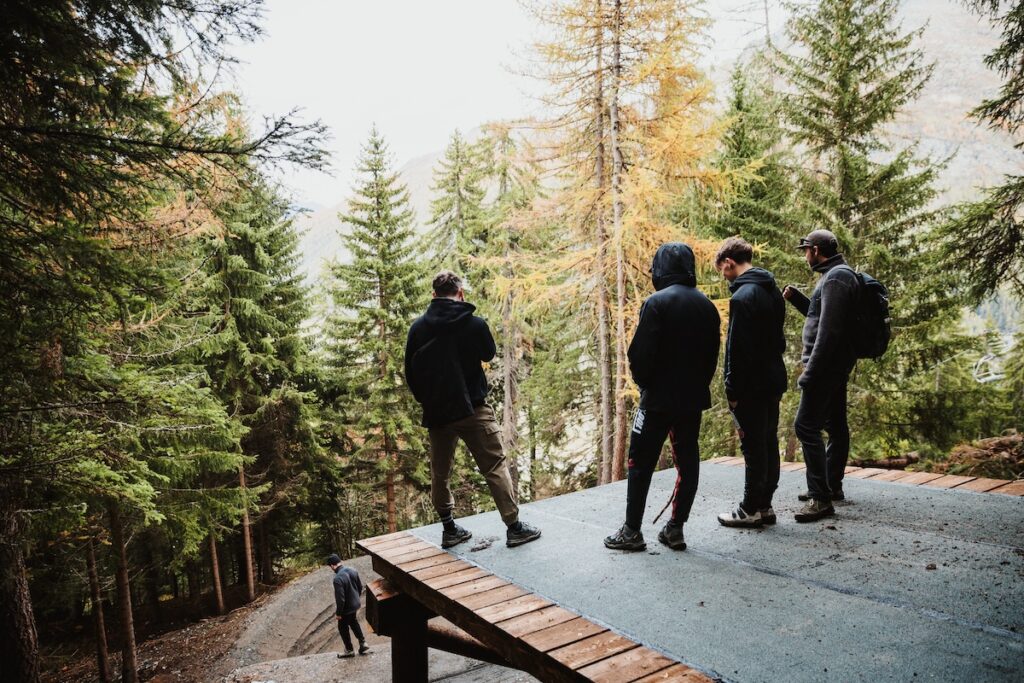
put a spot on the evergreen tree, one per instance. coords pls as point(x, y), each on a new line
point(457, 231)
point(376, 294)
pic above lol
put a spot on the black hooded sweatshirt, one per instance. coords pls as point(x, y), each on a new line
point(753, 348)
point(442, 361)
point(674, 351)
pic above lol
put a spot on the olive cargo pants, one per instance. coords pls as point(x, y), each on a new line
point(482, 435)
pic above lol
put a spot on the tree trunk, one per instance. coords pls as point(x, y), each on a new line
point(246, 566)
point(102, 652)
point(390, 493)
point(531, 427)
point(510, 398)
point(266, 564)
point(619, 448)
point(19, 646)
point(129, 663)
point(218, 589)
point(600, 237)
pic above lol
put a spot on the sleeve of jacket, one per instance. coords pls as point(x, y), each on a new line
point(485, 341)
point(836, 299)
point(800, 301)
point(737, 347)
point(411, 346)
point(643, 350)
point(358, 582)
point(339, 596)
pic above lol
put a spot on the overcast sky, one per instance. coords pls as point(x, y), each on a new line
point(418, 69)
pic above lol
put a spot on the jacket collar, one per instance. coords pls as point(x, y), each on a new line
point(831, 263)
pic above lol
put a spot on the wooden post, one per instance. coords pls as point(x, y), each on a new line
point(409, 649)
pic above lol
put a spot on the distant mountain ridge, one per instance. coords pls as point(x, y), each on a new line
point(954, 38)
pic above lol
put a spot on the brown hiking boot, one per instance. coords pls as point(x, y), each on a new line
point(814, 510)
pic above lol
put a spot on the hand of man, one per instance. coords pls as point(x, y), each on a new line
point(337, 617)
point(787, 292)
point(732, 405)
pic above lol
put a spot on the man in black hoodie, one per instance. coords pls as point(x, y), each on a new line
point(755, 377)
point(443, 356)
point(828, 358)
point(672, 357)
point(347, 589)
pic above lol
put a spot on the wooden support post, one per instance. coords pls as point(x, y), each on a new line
point(409, 648)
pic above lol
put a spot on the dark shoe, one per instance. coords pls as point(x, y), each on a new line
point(520, 533)
point(740, 518)
point(346, 654)
point(363, 648)
point(626, 539)
point(768, 516)
point(455, 536)
point(672, 536)
point(814, 510)
point(806, 495)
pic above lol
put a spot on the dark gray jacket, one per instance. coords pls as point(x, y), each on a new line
point(347, 589)
point(828, 344)
point(753, 367)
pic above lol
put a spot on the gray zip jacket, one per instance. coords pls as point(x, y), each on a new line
point(828, 348)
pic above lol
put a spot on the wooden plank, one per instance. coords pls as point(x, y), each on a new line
point(455, 578)
point(792, 467)
point(866, 473)
point(441, 569)
point(738, 461)
point(677, 673)
point(415, 546)
point(628, 666)
point(536, 621)
point(892, 475)
point(558, 636)
point(367, 542)
point(1013, 488)
point(491, 597)
point(948, 481)
point(919, 478)
point(982, 484)
point(592, 649)
point(394, 543)
point(850, 468)
point(417, 554)
point(513, 608)
point(414, 565)
point(480, 585)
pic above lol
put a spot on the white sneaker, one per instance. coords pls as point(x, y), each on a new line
point(739, 517)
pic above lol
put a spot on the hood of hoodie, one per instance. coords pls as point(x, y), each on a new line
point(446, 313)
point(754, 276)
point(673, 264)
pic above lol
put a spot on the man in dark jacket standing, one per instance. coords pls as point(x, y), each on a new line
point(828, 358)
point(755, 377)
point(443, 356)
point(672, 357)
point(347, 589)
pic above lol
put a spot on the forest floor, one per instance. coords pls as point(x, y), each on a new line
point(288, 635)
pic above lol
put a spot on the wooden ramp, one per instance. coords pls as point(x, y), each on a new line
point(530, 632)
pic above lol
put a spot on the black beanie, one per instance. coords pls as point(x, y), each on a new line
point(333, 560)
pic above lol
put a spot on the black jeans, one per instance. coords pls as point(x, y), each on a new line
point(823, 407)
point(758, 420)
point(349, 621)
point(648, 436)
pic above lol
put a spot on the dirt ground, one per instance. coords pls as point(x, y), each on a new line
point(287, 636)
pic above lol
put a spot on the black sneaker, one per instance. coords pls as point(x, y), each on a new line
point(672, 536)
point(363, 648)
point(346, 654)
point(520, 533)
point(806, 496)
point(626, 539)
point(814, 510)
point(740, 518)
point(455, 536)
point(768, 515)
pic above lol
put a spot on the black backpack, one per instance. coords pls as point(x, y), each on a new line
point(872, 324)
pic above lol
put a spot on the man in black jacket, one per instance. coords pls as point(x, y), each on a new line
point(443, 356)
point(755, 377)
point(672, 357)
point(347, 589)
point(828, 358)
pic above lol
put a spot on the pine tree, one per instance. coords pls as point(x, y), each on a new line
point(376, 295)
point(457, 231)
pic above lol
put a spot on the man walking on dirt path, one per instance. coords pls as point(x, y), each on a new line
point(347, 589)
point(443, 367)
point(672, 357)
point(755, 377)
point(828, 358)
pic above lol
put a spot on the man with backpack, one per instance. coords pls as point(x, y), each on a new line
point(673, 356)
point(829, 355)
point(347, 590)
point(443, 356)
point(755, 377)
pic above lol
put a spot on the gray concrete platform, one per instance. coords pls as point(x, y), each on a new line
point(847, 599)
